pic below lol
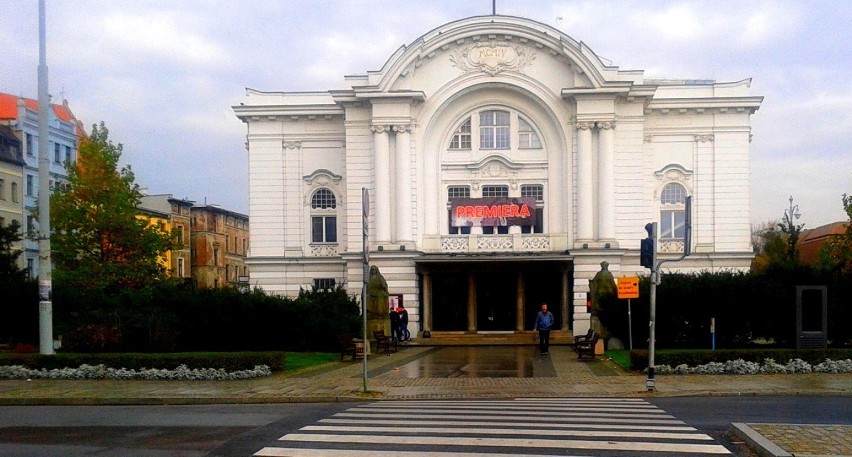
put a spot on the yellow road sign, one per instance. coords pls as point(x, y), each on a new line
point(628, 287)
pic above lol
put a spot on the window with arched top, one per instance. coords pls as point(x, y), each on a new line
point(323, 216)
point(462, 136)
point(672, 212)
point(527, 138)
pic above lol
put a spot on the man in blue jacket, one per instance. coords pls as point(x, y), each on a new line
point(543, 323)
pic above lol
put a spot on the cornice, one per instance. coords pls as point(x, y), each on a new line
point(291, 112)
point(700, 105)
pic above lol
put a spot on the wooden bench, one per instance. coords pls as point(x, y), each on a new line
point(589, 335)
point(384, 342)
point(347, 347)
point(585, 347)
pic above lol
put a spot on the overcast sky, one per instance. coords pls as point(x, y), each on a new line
point(163, 75)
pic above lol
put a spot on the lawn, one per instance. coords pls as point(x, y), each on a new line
point(300, 360)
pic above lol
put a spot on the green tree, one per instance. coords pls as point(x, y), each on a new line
point(9, 271)
point(837, 253)
point(100, 244)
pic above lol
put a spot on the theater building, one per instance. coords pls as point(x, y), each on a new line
point(504, 161)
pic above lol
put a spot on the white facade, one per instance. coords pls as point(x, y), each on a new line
point(494, 107)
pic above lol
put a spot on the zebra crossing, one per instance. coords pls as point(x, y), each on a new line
point(533, 427)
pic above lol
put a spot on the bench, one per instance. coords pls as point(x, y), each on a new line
point(384, 342)
point(588, 336)
point(585, 347)
point(347, 347)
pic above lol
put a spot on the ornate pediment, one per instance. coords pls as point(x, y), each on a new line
point(492, 57)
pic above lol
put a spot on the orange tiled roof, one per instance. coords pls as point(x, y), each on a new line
point(9, 109)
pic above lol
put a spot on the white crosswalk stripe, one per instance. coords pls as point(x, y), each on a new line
point(534, 427)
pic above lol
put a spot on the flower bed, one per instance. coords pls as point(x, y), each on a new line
point(181, 373)
point(769, 366)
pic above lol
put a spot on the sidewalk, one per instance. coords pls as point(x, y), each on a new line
point(417, 373)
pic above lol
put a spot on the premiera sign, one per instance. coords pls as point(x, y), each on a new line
point(492, 212)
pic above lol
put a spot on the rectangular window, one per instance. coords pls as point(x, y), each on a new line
point(227, 273)
point(2, 189)
point(494, 130)
point(30, 191)
point(495, 191)
point(179, 234)
point(2, 221)
point(67, 154)
point(30, 268)
point(454, 192)
point(215, 256)
point(14, 192)
point(324, 283)
point(30, 231)
point(324, 229)
point(57, 156)
point(180, 267)
point(672, 225)
point(29, 141)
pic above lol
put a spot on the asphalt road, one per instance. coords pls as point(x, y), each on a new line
point(241, 430)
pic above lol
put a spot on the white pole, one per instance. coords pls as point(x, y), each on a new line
point(45, 282)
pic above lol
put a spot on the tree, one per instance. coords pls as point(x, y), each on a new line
point(837, 254)
point(770, 246)
point(99, 242)
point(9, 271)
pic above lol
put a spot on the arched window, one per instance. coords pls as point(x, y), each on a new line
point(323, 217)
point(461, 137)
point(527, 138)
point(672, 212)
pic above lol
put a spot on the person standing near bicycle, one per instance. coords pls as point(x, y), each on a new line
point(404, 334)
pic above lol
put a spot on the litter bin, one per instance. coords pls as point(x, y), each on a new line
point(359, 348)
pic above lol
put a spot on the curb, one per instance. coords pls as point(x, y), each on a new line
point(758, 442)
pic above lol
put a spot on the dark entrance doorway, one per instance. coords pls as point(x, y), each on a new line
point(496, 300)
point(449, 302)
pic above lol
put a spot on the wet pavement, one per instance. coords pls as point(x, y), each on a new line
point(421, 372)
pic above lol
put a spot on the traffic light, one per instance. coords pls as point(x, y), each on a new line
point(647, 247)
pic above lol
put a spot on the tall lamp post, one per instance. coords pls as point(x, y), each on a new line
point(791, 213)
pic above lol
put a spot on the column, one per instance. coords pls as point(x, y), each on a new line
point(519, 310)
point(606, 181)
point(471, 302)
point(585, 182)
point(381, 169)
point(403, 183)
point(427, 301)
point(566, 302)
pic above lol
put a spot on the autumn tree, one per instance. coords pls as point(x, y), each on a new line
point(99, 242)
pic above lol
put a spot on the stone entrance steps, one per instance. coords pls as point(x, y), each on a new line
point(557, 337)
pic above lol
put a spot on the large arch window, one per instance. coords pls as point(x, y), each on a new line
point(494, 129)
point(672, 212)
point(323, 217)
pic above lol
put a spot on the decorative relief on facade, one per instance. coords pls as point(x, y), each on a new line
point(583, 125)
point(535, 243)
point(292, 144)
point(704, 138)
point(494, 243)
point(606, 125)
point(323, 250)
point(671, 245)
point(492, 57)
point(495, 170)
point(378, 128)
point(402, 128)
point(454, 243)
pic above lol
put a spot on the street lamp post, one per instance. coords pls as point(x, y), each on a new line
point(791, 213)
